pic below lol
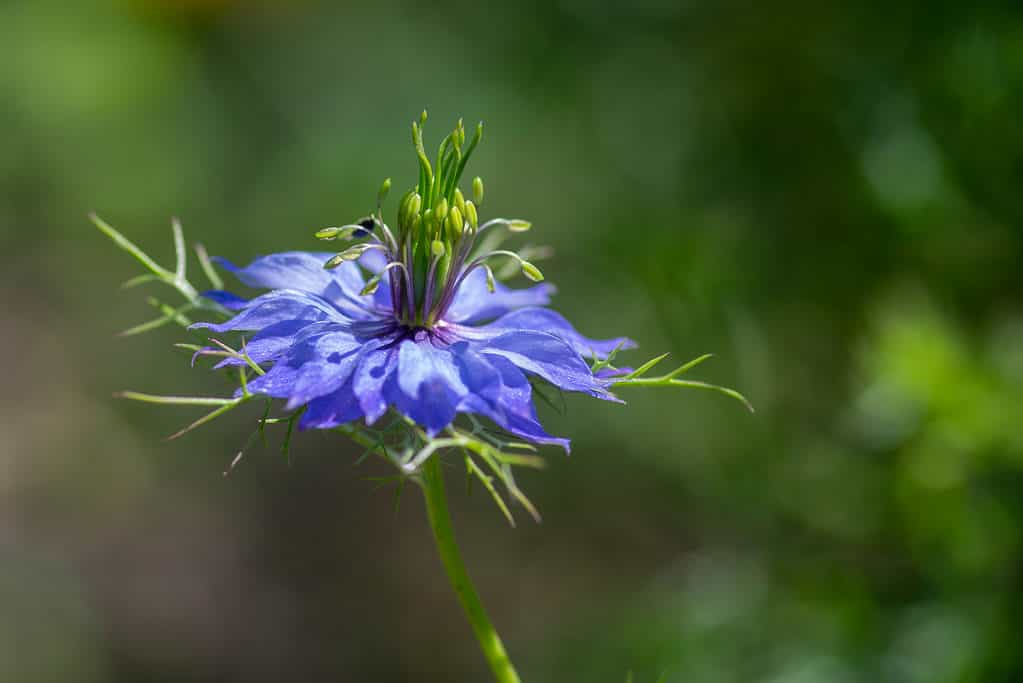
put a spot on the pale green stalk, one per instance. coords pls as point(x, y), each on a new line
point(440, 522)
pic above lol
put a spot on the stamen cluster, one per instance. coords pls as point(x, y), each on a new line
point(431, 251)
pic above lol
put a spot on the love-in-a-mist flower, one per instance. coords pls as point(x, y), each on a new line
point(411, 320)
point(411, 317)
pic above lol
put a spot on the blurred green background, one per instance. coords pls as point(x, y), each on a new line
point(825, 195)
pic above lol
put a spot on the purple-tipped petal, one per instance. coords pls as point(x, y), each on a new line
point(231, 302)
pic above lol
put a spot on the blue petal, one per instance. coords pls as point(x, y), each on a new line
point(334, 358)
point(474, 302)
point(304, 271)
point(426, 386)
point(277, 306)
point(501, 392)
point(546, 320)
point(319, 359)
point(231, 302)
point(288, 270)
point(268, 344)
point(548, 357)
point(373, 260)
point(278, 382)
point(332, 410)
point(370, 378)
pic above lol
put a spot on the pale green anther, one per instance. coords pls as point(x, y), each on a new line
point(442, 210)
point(455, 221)
point(460, 200)
point(518, 225)
point(471, 216)
point(437, 249)
point(385, 187)
point(531, 272)
point(371, 286)
point(491, 282)
point(477, 190)
point(350, 254)
point(334, 261)
point(328, 233)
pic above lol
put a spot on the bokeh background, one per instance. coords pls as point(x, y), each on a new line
point(825, 195)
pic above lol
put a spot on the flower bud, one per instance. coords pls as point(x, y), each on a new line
point(531, 272)
point(437, 249)
point(470, 215)
point(460, 200)
point(477, 190)
point(442, 209)
point(385, 187)
point(455, 222)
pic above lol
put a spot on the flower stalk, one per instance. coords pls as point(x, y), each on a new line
point(432, 481)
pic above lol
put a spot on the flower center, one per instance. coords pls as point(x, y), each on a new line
point(431, 251)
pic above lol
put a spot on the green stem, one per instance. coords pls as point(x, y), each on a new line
point(444, 535)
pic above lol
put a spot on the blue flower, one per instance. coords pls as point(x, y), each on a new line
point(411, 319)
point(348, 357)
